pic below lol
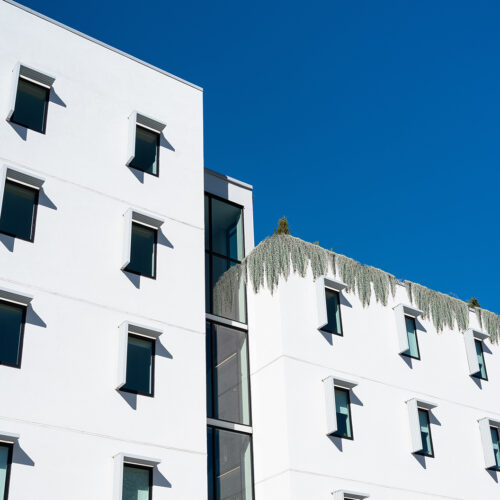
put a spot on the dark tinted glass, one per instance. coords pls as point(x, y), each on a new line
point(343, 410)
point(146, 151)
point(18, 210)
point(411, 331)
point(5, 451)
point(227, 375)
point(142, 250)
point(480, 359)
point(31, 105)
point(139, 365)
point(496, 445)
point(227, 230)
point(136, 482)
point(333, 312)
point(11, 328)
point(229, 466)
point(425, 432)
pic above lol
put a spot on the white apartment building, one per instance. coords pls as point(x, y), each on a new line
point(133, 367)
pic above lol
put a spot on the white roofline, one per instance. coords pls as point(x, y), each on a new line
point(226, 178)
point(102, 44)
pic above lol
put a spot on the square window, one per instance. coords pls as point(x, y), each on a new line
point(140, 365)
point(425, 433)
point(147, 149)
point(343, 411)
point(143, 251)
point(12, 319)
point(480, 359)
point(228, 387)
point(31, 106)
point(18, 214)
point(411, 331)
point(137, 482)
point(5, 461)
point(334, 324)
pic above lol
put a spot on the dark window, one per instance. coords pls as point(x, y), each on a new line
point(224, 248)
point(230, 475)
point(140, 365)
point(496, 447)
point(137, 482)
point(480, 359)
point(19, 211)
point(147, 149)
point(425, 433)
point(411, 331)
point(31, 106)
point(343, 411)
point(143, 251)
point(5, 461)
point(228, 388)
point(333, 312)
point(12, 318)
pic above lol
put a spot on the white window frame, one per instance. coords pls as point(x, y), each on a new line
point(484, 430)
point(27, 73)
point(349, 495)
point(123, 332)
point(135, 119)
point(321, 283)
point(122, 459)
point(470, 336)
point(20, 176)
point(140, 217)
point(329, 385)
point(15, 297)
point(400, 311)
point(413, 406)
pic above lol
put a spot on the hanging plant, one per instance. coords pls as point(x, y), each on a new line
point(279, 255)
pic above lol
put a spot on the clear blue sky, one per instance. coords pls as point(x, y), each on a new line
point(373, 125)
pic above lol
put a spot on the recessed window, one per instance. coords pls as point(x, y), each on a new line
point(31, 105)
point(333, 312)
point(496, 447)
point(425, 433)
point(229, 465)
point(411, 331)
point(5, 461)
point(224, 249)
point(140, 365)
point(12, 319)
point(18, 214)
point(147, 148)
point(143, 251)
point(343, 412)
point(480, 360)
point(228, 391)
point(137, 482)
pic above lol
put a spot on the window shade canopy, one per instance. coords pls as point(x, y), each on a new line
point(349, 495)
point(13, 296)
point(9, 437)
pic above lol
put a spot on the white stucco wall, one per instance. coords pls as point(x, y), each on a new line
point(295, 459)
point(62, 400)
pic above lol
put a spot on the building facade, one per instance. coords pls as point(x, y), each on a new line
point(137, 362)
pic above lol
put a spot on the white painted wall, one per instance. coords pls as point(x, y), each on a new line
point(62, 401)
point(294, 458)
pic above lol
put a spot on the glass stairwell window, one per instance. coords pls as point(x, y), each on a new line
point(411, 331)
point(224, 249)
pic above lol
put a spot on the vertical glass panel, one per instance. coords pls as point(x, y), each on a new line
point(146, 151)
point(4, 466)
point(208, 288)
point(480, 359)
point(333, 312)
point(140, 353)
point(210, 463)
point(209, 356)
point(207, 223)
point(11, 327)
point(136, 482)
point(411, 330)
point(229, 372)
point(18, 210)
point(233, 466)
point(142, 250)
point(227, 230)
point(31, 105)
point(229, 297)
point(425, 431)
point(496, 445)
point(344, 428)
